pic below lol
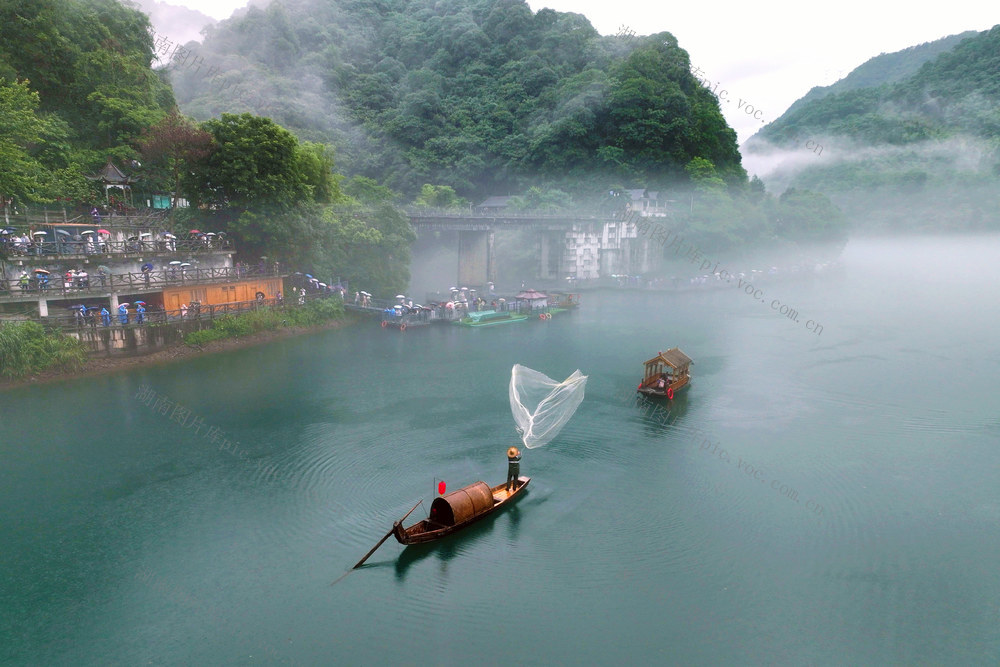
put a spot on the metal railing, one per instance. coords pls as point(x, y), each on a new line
point(76, 249)
point(120, 217)
point(56, 286)
point(73, 321)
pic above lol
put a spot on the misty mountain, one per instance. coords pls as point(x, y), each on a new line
point(180, 24)
point(917, 151)
point(882, 69)
point(482, 95)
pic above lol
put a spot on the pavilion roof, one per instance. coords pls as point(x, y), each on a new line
point(672, 357)
point(110, 174)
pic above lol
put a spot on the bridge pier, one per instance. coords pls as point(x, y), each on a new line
point(476, 257)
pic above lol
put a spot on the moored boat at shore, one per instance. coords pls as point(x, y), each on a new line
point(483, 318)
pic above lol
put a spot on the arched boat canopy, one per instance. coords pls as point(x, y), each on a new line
point(462, 505)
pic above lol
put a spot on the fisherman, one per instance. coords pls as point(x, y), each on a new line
point(513, 467)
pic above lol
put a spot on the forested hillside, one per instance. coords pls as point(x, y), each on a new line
point(922, 152)
point(885, 68)
point(482, 95)
point(76, 87)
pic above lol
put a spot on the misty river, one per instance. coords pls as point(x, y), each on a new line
point(813, 498)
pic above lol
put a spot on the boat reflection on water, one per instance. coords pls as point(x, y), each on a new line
point(457, 545)
point(657, 414)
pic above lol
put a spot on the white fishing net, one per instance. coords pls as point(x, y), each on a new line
point(540, 405)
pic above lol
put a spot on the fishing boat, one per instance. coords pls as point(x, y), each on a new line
point(666, 374)
point(458, 509)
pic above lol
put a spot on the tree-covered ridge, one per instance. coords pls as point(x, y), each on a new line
point(885, 68)
point(483, 95)
point(954, 93)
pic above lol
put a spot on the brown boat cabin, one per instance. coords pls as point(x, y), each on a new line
point(666, 373)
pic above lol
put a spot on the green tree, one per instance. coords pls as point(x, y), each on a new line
point(440, 196)
point(21, 175)
point(255, 167)
point(316, 165)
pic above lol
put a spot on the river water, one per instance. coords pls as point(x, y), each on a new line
point(825, 498)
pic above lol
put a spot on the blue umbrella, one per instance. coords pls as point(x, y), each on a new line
point(147, 267)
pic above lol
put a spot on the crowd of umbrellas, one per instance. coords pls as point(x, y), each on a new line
point(92, 240)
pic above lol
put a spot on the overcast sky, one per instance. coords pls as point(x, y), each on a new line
point(764, 54)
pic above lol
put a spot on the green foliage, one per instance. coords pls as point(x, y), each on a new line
point(439, 196)
point(703, 175)
point(316, 167)
point(483, 96)
point(255, 166)
point(26, 348)
point(541, 199)
point(89, 61)
point(21, 175)
point(367, 191)
point(313, 313)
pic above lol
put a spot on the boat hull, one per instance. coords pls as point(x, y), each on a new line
point(666, 392)
point(426, 531)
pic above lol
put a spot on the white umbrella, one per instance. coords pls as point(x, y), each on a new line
point(169, 236)
point(211, 234)
point(86, 231)
point(400, 296)
point(183, 263)
point(176, 262)
point(39, 233)
point(144, 234)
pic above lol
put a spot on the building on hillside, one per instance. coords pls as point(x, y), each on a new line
point(591, 250)
point(647, 202)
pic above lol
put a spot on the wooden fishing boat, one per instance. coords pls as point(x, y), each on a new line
point(458, 509)
point(666, 374)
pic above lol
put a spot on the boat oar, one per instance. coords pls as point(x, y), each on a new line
point(374, 548)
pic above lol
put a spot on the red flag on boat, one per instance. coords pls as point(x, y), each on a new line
point(441, 487)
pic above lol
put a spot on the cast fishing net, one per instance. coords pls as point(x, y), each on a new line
point(541, 406)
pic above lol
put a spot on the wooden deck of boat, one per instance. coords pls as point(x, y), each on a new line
point(501, 495)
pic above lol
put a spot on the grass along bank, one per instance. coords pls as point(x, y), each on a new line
point(268, 318)
point(27, 348)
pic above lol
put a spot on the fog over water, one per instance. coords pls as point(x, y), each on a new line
point(813, 498)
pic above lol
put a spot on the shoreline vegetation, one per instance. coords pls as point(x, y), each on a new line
point(43, 357)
